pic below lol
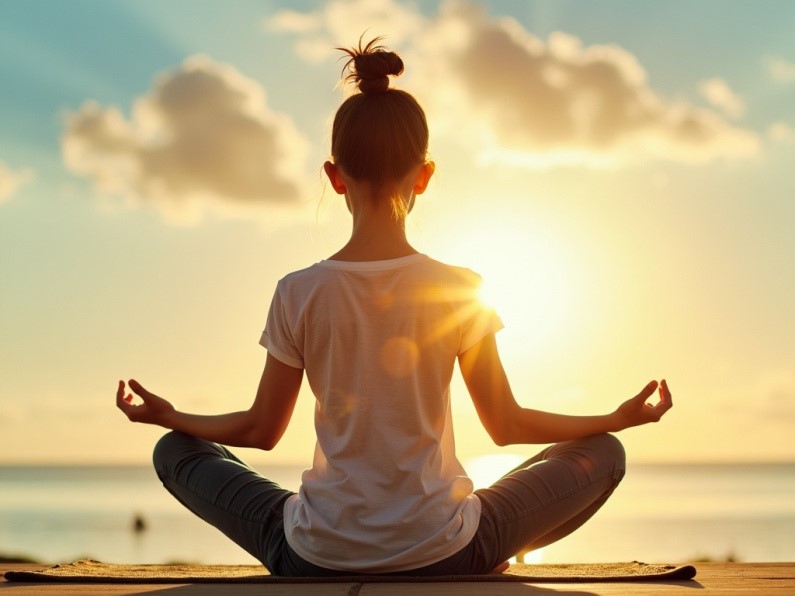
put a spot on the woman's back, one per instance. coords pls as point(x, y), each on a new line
point(378, 341)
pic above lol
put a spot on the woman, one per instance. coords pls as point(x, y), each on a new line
point(377, 328)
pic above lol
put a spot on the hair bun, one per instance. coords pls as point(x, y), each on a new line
point(370, 66)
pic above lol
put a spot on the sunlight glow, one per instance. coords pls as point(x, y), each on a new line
point(532, 557)
point(484, 470)
point(527, 277)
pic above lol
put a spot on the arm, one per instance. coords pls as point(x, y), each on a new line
point(507, 423)
point(262, 425)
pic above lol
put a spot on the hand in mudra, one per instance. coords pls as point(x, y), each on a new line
point(637, 411)
point(152, 409)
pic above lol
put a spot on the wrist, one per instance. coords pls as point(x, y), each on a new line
point(168, 419)
point(615, 422)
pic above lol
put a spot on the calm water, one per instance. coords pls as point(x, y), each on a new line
point(659, 513)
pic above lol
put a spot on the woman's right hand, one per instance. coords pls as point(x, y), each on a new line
point(636, 411)
point(152, 410)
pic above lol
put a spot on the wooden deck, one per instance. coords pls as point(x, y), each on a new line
point(713, 578)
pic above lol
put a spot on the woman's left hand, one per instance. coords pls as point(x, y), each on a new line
point(153, 410)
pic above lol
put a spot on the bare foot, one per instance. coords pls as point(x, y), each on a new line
point(501, 567)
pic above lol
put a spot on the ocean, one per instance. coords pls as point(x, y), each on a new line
point(660, 513)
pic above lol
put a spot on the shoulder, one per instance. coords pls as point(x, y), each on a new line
point(302, 277)
point(297, 287)
point(453, 274)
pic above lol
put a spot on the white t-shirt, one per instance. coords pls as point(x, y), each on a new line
point(379, 341)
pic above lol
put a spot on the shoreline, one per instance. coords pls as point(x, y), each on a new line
point(18, 558)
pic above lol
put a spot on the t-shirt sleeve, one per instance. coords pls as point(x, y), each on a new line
point(277, 337)
point(481, 321)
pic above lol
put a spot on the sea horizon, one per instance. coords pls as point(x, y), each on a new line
point(661, 512)
point(465, 460)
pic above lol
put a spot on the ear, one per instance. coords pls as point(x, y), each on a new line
point(423, 177)
point(335, 177)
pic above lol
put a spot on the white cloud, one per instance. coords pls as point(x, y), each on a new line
point(781, 132)
point(489, 84)
point(11, 181)
point(203, 136)
point(780, 69)
point(532, 102)
point(719, 94)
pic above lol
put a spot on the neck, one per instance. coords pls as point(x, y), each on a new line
point(377, 234)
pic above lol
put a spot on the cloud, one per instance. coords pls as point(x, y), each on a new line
point(11, 181)
point(489, 84)
point(781, 132)
point(717, 92)
point(203, 136)
point(532, 102)
point(780, 69)
point(340, 24)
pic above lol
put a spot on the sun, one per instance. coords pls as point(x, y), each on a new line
point(528, 277)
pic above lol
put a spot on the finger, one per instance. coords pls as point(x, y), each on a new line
point(124, 402)
point(120, 400)
point(665, 402)
point(139, 389)
point(646, 392)
point(665, 393)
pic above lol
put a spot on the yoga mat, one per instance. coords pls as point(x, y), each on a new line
point(88, 571)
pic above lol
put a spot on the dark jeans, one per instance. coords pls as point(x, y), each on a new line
point(546, 498)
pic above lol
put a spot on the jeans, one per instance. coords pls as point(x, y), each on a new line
point(541, 501)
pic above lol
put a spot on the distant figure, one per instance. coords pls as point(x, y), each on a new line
point(139, 523)
point(378, 328)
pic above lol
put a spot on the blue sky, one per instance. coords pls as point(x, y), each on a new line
point(619, 172)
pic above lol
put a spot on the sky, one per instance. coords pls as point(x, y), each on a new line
point(620, 174)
